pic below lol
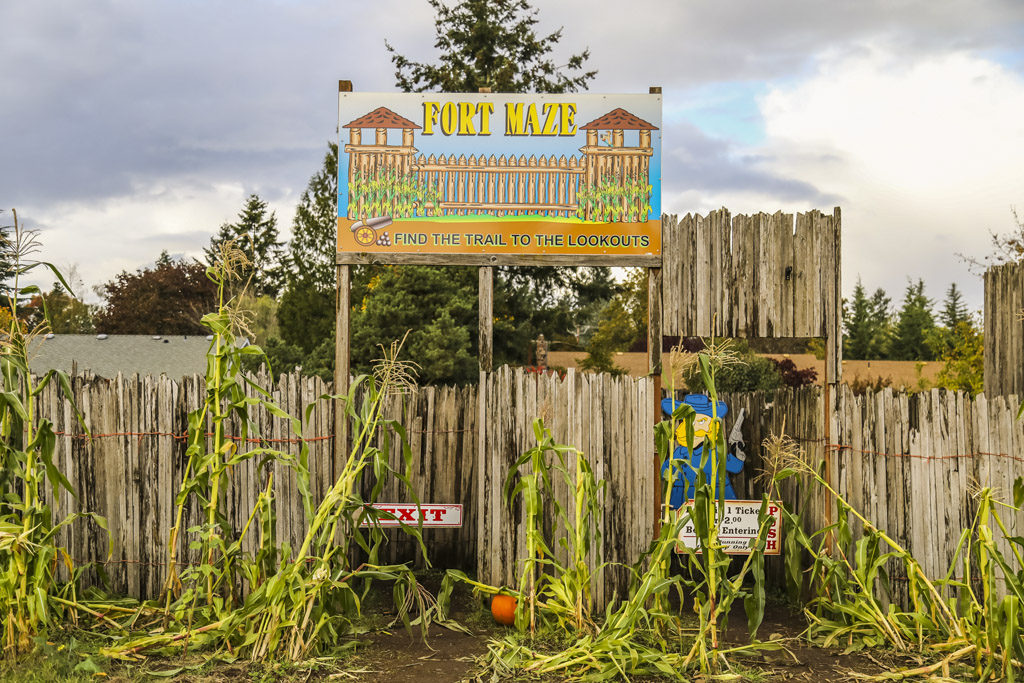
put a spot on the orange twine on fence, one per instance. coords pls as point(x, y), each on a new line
point(184, 437)
point(256, 440)
point(834, 447)
point(955, 456)
point(838, 447)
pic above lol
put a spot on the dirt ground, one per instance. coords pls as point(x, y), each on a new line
point(397, 658)
point(393, 656)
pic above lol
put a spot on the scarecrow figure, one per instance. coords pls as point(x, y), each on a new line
point(705, 428)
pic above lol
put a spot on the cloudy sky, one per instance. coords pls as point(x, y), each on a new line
point(127, 128)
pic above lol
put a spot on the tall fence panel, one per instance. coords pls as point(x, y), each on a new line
point(763, 275)
point(1004, 330)
point(607, 420)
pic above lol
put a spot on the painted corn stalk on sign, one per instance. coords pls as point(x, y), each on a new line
point(564, 176)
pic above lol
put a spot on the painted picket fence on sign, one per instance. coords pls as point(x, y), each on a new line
point(501, 186)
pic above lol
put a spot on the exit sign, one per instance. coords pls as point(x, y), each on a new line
point(407, 514)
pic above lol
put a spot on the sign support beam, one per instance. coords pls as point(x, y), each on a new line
point(486, 318)
point(654, 340)
point(342, 351)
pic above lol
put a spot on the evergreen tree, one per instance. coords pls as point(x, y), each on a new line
point(954, 315)
point(306, 315)
point(255, 234)
point(866, 324)
point(315, 228)
point(954, 310)
point(858, 338)
point(621, 324)
point(881, 321)
point(443, 344)
point(912, 335)
point(491, 44)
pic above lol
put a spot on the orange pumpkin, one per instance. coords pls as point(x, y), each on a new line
point(503, 609)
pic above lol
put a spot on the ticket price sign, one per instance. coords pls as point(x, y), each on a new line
point(407, 514)
point(737, 529)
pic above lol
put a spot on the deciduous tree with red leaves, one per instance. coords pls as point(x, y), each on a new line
point(168, 298)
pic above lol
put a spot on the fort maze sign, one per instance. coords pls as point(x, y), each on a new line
point(494, 179)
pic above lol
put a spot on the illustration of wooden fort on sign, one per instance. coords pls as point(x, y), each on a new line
point(500, 174)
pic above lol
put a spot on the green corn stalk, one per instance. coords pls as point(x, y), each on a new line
point(301, 603)
point(845, 608)
point(712, 590)
point(215, 582)
point(314, 592)
point(554, 592)
point(34, 597)
point(973, 621)
point(641, 635)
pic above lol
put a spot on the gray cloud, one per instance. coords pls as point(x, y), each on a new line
point(694, 161)
point(108, 102)
point(102, 96)
point(684, 44)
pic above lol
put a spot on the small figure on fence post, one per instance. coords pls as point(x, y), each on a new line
point(542, 353)
point(705, 428)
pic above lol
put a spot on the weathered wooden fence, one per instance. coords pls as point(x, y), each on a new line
point(908, 462)
point(605, 418)
point(130, 466)
point(911, 463)
point(1004, 330)
point(762, 275)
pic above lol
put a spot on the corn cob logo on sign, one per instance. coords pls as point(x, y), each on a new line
point(500, 175)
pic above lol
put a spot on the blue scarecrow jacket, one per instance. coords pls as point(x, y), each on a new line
point(686, 475)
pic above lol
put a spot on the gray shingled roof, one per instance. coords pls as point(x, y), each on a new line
point(174, 356)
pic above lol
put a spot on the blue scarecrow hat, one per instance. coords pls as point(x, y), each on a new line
point(699, 402)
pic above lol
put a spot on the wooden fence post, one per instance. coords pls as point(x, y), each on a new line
point(342, 364)
point(342, 357)
point(486, 318)
point(833, 346)
point(654, 341)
